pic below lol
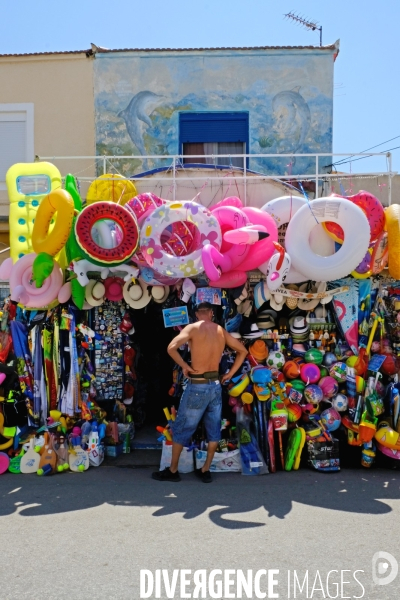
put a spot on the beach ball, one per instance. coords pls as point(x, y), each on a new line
point(298, 385)
point(360, 384)
point(331, 419)
point(313, 394)
point(389, 366)
point(310, 373)
point(338, 371)
point(294, 412)
point(309, 408)
point(351, 362)
point(340, 402)
point(329, 359)
point(329, 386)
point(277, 375)
point(291, 369)
point(276, 359)
point(313, 355)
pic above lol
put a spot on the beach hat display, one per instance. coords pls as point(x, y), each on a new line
point(266, 319)
point(261, 294)
point(299, 329)
point(94, 293)
point(160, 293)
point(233, 324)
point(250, 331)
point(114, 287)
point(188, 289)
point(277, 301)
point(245, 307)
point(136, 294)
point(259, 350)
point(308, 303)
point(292, 302)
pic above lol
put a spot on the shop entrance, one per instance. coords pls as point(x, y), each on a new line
point(154, 373)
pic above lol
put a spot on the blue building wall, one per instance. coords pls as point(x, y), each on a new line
point(287, 92)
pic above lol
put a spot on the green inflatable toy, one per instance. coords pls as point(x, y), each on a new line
point(42, 268)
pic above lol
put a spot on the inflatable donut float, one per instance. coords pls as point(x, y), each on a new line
point(122, 217)
point(373, 209)
point(177, 239)
point(61, 204)
point(110, 188)
point(23, 289)
point(207, 233)
point(282, 210)
point(393, 230)
point(143, 203)
point(356, 229)
point(380, 253)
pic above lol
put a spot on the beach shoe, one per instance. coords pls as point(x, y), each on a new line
point(205, 477)
point(166, 475)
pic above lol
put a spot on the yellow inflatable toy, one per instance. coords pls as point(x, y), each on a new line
point(27, 185)
point(392, 214)
point(388, 437)
point(60, 203)
point(111, 188)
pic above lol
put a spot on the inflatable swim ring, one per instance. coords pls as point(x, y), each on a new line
point(283, 210)
point(393, 229)
point(373, 209)
point(110, 188)
point(24, 290)
point(380, 253)
point(58, 202)
point(123, 218)
point(208, 232)
point(356, 241)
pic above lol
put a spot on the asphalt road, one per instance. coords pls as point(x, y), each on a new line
point(87, 535)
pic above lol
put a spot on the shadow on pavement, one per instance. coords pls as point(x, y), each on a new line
point(228, 498)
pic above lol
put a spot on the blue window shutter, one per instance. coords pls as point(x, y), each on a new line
point(214, 127)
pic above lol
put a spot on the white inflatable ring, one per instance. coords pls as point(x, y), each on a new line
point(356, 238)
point(208, 231)
point(282, 211)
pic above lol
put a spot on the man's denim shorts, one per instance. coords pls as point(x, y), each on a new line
point(199, 400)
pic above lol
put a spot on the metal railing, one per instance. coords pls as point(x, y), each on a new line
point(175, 162)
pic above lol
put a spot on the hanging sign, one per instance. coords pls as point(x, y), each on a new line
point(376, 362)
point(176, 316)
point(208, 294)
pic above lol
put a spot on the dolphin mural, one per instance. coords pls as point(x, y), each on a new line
point(292, 118)
point(137, 112)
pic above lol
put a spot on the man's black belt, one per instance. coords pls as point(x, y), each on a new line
point(208, 376)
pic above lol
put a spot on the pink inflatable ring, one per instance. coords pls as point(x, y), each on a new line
point(24, 290)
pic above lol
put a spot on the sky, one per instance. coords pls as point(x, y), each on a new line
point(367, 81)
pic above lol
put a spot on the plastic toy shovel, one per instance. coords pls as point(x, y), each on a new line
point(78, 459)
point(30, 460)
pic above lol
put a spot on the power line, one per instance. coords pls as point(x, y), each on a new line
point(361, 157)
point(366, 150)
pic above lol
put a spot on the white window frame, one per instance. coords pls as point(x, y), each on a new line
point(27, 109)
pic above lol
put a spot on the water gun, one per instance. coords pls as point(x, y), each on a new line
point(165, 434)
point(170, 417)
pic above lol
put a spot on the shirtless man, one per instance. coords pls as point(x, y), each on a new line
point(202, 396)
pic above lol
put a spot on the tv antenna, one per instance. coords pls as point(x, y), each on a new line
point(313, 25)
